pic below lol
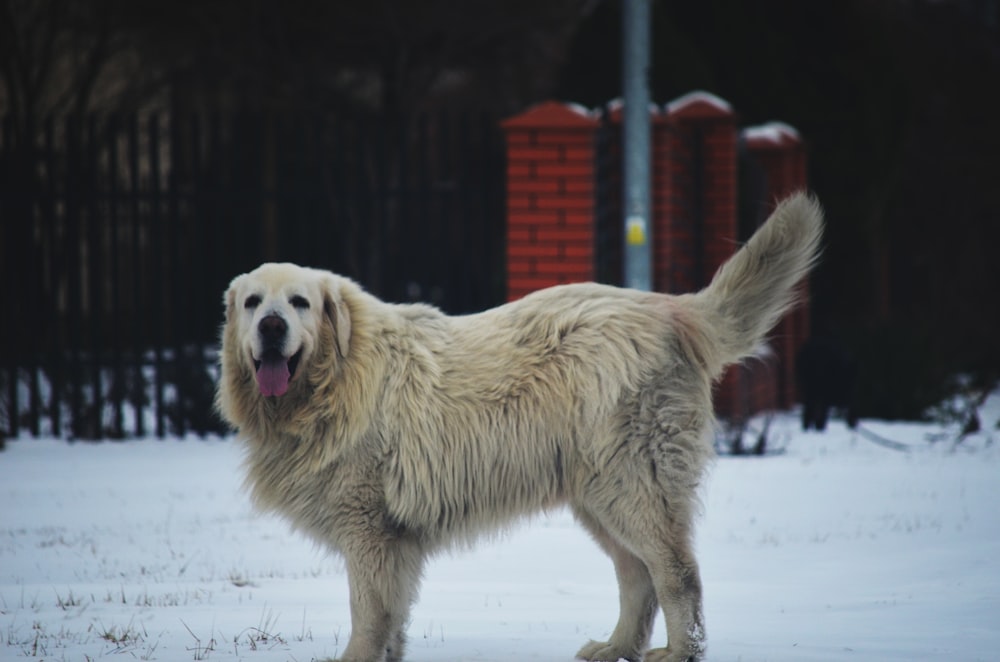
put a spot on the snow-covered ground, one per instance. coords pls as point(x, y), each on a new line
point(836, 549)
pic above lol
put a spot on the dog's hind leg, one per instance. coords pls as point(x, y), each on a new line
point(654, 525)
point(678, 587)
point(637, 600)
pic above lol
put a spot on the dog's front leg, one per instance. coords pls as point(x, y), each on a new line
point(384, 582)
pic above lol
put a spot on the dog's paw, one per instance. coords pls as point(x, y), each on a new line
point(605, 651)
point(668, 655)
point(353, 658)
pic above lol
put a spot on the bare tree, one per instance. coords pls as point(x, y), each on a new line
point(64, 56)
point(389, 56)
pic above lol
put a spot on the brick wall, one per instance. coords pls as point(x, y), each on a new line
point(550, 197)
point(779, 151)
point(552, 215)
point(697, 226)
point(700, 157)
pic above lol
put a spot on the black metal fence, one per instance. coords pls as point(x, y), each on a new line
point(119, 234)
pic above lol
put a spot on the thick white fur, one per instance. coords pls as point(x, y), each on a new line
point(405, 431)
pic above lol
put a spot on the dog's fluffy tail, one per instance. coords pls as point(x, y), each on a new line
point(756, 286)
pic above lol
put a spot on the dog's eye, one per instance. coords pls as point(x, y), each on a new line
point(299, 302)
point(252, 302)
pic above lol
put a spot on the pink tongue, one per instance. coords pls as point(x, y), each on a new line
point(273, 376)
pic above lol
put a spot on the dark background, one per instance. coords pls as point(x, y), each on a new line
point(897, 101)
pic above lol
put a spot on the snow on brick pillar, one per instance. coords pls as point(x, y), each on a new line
point(698, 219)
point(780, 153)
point(550, 197)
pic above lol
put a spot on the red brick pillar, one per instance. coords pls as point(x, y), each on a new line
point(550, 197)
point(778, 149)
point(780, 152)
point(696, 225)
point(697, 219)
point(672, 246)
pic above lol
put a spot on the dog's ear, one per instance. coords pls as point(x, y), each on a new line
point(336, 312)
point(229, 298)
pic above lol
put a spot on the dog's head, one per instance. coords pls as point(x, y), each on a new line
point(279, 318)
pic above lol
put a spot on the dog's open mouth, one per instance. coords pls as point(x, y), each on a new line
point(275, 371)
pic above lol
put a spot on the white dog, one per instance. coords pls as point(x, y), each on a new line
point(389, 432)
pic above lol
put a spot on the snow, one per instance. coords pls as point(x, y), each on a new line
point(835, 549)
point(579, 109)
point(698, 96)
point(617, 105)
point(775, 132)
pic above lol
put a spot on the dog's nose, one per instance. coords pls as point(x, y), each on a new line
point(272, 331)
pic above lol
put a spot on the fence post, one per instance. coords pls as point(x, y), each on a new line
point(704, 130)
point(671, 247)
point(550, 197)
point(701, 219)
point(780, 152)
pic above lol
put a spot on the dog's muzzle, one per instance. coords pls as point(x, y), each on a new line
point(274, 369)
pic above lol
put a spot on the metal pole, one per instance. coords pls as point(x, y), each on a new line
point(636, 143)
